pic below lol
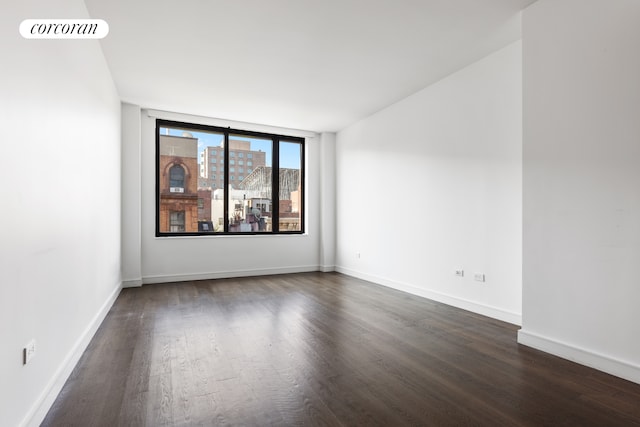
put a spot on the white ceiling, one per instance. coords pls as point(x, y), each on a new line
point(314, 65)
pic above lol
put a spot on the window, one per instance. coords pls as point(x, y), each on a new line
point(176, 222)
point(176, 178)
point(266, 198)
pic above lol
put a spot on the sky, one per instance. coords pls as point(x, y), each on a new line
point(289, 152)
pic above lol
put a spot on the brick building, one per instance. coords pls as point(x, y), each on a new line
point(178, 171)
point(204, 204)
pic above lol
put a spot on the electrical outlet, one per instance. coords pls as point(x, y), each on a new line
point(479, 277)
point(460, 272)
point(28, 352)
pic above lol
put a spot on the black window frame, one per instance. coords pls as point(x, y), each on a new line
point(276, 139)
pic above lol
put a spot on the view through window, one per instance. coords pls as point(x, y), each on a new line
point(213, 180)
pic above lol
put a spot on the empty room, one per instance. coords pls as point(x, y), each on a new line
point(278, 212)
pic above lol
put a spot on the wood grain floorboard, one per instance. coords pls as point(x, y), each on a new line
point(322, 349)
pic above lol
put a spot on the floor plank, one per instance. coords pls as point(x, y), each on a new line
point(322, 349)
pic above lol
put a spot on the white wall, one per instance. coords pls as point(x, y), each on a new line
point(327, 201)
point(131, 198)
point(192, 258)
point(60, 216)
point(582, 182)
point(433, 183)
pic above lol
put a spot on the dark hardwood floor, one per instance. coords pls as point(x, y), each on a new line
point(322, 349)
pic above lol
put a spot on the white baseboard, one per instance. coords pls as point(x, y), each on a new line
point(327, 268)
point(228, 274)
point(41, 406)
point(485, 310)
point(610, 365)
point(132, 283)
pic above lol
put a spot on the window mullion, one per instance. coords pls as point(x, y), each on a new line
point(225, 175)
point(275, 185)
point(301, 207)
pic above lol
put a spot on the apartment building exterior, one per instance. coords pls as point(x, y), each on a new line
point(242, 162)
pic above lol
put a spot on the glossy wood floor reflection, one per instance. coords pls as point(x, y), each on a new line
point(322, 349)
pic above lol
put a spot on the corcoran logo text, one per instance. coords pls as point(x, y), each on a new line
point(64, 28)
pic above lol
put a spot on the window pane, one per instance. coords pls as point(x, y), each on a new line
point(250, 207)
point(290, 202)
point(185, 179)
